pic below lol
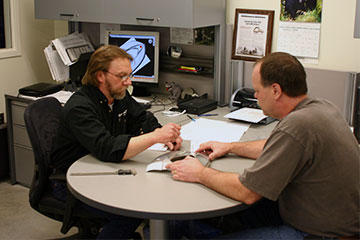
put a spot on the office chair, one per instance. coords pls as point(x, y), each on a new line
point(42, 119)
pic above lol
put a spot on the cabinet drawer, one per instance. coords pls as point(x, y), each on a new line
point(160, 13)
point(71, 10)
point(24, 165)
point(17, 109)
point(21, 136)
point(154, 12)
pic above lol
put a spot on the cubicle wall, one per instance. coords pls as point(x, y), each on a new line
point(337, 86)
point(356, 122)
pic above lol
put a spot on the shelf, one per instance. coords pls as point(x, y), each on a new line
point(169, 64)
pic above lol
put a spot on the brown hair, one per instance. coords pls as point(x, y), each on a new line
point(100, 61)
point(286, 70)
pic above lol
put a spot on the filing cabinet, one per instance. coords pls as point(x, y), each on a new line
point(4, 159)
point(21, 156)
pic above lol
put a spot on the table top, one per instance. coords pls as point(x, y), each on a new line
point(155, 195)
point(152, 195)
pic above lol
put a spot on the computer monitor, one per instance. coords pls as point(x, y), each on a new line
point(144, 48)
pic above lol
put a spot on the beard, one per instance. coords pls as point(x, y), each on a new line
point(117, 94)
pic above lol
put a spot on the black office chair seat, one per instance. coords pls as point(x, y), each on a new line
point(42, 118)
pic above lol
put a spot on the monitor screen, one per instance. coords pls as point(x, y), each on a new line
point(144, 48)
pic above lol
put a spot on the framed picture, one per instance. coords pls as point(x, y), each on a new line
point(252, 34)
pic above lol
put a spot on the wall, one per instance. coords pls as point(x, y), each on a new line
point(31, 66)
point(339, 50)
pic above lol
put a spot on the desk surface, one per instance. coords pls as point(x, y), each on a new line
point(155, 195)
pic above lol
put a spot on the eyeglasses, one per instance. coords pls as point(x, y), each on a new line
point(122, 78)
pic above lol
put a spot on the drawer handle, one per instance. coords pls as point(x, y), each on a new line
point(66, 15)
point(145, 19)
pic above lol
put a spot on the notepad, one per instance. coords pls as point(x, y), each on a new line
point(252, 115)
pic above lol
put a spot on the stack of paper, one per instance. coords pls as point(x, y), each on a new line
point(62, 96)
point(72, 46)
point(252, 115)
point(59, 71)
point(63, 52)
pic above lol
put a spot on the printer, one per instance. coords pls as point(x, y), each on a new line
point(243, 97)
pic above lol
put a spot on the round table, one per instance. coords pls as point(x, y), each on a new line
point(150, 195)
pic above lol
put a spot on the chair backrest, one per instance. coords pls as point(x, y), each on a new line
point(42, 118)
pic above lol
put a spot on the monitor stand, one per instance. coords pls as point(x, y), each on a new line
point(140, 91)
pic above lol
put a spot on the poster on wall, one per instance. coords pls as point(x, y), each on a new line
point(252, 34)
point(299, 28)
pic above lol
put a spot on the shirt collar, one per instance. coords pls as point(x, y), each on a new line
point(304, 102)
point(98, 96)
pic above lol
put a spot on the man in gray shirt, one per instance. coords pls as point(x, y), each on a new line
point(309, 164)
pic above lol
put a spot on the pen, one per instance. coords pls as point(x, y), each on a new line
point(117, 172)
point(208, 115)
point(192, 119)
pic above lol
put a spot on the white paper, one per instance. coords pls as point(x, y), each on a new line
point(62, 96)
point(157, 166)
point(159, 147)
point(72, 46)
point(140, 100)
point(247, 114)
point(203, 130)
point(59, 71)
point(299, 39)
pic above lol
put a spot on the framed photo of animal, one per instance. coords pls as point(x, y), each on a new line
point(252, 34)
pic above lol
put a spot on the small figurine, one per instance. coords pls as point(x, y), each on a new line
point(174, 90)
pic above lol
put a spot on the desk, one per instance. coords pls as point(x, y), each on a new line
point(154, 195)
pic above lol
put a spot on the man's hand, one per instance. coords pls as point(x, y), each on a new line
point(168, 133)
point(214, 149)
point(173, 146)
point(188, 170)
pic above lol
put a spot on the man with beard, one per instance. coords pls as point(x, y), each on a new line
point(102, 119)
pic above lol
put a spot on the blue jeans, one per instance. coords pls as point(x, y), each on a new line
point(262, 214)
point(117, 227)
point(268, 233)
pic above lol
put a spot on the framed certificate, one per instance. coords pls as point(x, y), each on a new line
point(252, 34)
